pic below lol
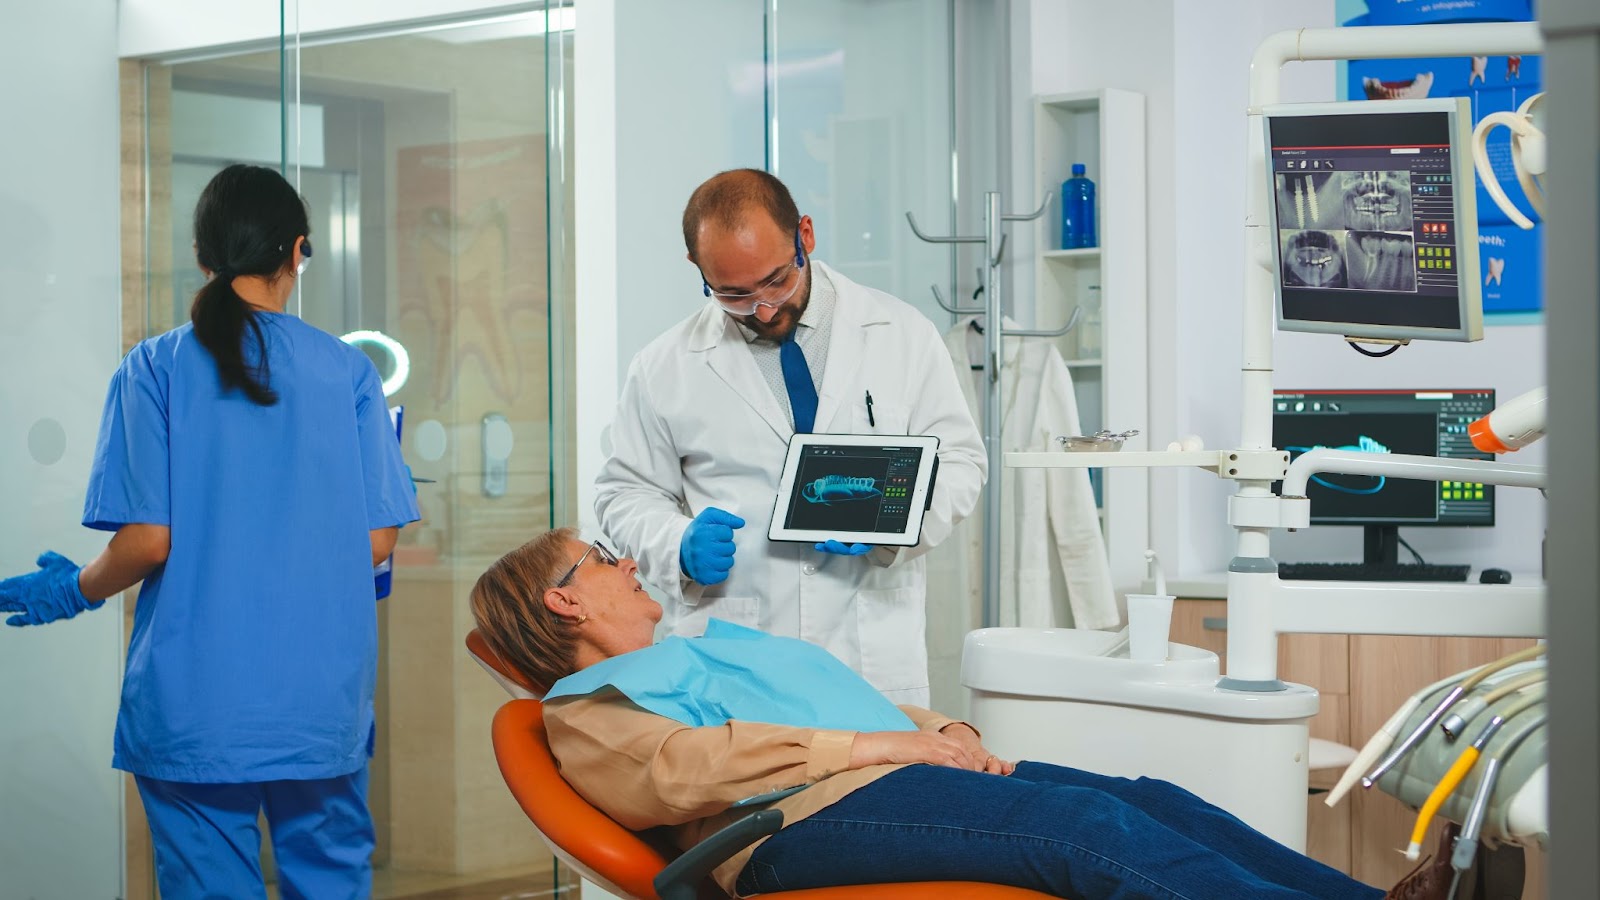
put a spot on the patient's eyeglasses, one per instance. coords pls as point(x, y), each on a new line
point(606, 556)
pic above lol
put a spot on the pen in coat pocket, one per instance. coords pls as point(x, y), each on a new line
point(870, 420)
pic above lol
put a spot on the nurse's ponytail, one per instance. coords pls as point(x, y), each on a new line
point(246, 223)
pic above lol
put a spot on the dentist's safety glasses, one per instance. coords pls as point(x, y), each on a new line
point(747, 304)
point(775, 293)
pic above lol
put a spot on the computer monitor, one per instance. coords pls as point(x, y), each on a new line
point(1373, 238)
point(1424, 422)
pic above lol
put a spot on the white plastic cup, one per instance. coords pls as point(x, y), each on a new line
point(1149, 621)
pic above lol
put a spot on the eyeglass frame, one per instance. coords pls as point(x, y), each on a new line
point(723, 298)
point(606, 556)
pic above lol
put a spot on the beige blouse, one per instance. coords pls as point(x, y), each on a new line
point(645, 770)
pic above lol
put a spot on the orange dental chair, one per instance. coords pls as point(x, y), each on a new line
point(621, 861)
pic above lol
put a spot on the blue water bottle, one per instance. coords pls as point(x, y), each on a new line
point(1077, 211)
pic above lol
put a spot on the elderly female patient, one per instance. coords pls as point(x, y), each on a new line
point(673, 734)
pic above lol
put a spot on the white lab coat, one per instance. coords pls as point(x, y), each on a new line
point(1051, 538)
point(698, 426)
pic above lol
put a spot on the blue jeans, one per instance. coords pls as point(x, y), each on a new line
point(208, 844)
point(1048, 828)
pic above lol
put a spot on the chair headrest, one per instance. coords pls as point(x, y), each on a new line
point(516, 684)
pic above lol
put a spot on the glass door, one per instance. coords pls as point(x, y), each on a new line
point(444, 137)
point(436, 164)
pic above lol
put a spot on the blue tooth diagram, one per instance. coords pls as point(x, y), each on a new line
point(830, 489)
point(1363, 444)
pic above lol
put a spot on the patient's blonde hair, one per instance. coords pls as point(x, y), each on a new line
point(508, 604)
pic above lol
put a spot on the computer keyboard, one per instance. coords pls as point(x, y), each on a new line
point(1365, 572)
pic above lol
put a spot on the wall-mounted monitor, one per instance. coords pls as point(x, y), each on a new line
point(1374, 219)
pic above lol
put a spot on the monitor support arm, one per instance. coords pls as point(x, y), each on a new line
point(1254, 617)
point(1397, 465)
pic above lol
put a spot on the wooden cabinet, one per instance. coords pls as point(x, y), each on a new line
point(1362, 679)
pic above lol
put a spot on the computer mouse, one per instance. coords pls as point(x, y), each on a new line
point(1494, 576)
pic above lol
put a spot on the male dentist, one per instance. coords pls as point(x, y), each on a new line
point(784, 344)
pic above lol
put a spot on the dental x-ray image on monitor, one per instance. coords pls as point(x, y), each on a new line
point(1371, 234)
point(1352, 230)
point(1381, 261)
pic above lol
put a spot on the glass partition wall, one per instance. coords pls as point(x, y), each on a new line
point(436, 163)
point(876, 108)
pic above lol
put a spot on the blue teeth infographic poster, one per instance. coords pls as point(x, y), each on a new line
point(1510, 273)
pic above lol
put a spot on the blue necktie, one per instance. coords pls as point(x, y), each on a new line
point(797, 380)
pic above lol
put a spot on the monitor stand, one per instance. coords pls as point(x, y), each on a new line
point(1381, 545)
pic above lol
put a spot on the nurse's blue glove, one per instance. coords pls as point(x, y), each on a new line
point(706, 552)
point(843, 549)
point(46, 595)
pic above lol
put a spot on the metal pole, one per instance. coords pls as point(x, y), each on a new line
point(994, 335)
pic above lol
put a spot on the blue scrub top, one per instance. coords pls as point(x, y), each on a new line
point(254, 649)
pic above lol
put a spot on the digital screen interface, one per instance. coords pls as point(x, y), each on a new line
point(1366, 218)
point(1426, 423)
point(853, 488)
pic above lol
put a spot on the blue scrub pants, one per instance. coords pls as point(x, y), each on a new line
point(208, 845)
point(1059, 831)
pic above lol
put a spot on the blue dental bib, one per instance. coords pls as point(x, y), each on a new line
point(733, 672)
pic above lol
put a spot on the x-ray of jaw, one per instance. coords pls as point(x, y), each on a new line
point(1380, 261)
point(1377, 201)
point(1309, 200)
point(1335, 201)
point(1313, 259)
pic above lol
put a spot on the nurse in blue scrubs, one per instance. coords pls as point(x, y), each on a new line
point(250, 474)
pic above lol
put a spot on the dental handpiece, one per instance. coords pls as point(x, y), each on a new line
point(1379, 742)
point(1467, 843)
point(1412, 739)
point(1447, 785)
point(1472, 680)
point(1456, 723)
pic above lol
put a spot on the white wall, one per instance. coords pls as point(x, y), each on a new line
point(1192, 63)
point(60, 800)
point(1195, 379)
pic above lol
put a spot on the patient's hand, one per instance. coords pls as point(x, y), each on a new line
point(872, 748)
point(963, 732)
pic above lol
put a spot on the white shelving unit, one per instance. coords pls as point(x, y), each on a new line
point(1107, 352)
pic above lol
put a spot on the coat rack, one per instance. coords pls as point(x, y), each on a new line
point(993, 240)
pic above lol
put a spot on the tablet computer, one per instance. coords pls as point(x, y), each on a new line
point(855, 488)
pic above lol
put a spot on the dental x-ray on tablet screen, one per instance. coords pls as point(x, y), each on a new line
point(855, 488)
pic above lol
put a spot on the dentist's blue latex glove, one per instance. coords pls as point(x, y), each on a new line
point(843, 549)
point(706, 552)
point(46, 595)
